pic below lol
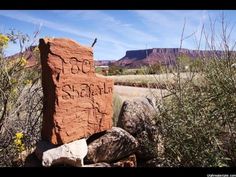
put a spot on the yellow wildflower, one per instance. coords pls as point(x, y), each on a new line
point(14, 91)
point(23, 61)
point(28, 82)
point(17, 142)
point(13, 81)
point(19, 135)
point(3, 40)
point(36, 49)
point(21, 148)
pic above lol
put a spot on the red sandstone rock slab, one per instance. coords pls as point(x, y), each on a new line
point(76, 103)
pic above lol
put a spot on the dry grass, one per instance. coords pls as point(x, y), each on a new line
point(160, 79)
point(128, 93)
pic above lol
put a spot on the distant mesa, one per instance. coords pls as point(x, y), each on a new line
point(104, 62)
point(165, 56)
point(136, 58)
point(28, 54)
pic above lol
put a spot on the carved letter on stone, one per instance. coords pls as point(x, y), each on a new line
point(86, 67)
point(74, 66)
point(66, 89)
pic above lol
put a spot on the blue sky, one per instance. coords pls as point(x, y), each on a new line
point(116, 30)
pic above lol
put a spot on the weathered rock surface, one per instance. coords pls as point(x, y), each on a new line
point(111, 147)
point(150, 144)
point(41, 147)
point(71, 154)
point(136, 117)
point(32, 161)
point(154, 162)
point(76, 103)
point(102, 164)
point(130, 161)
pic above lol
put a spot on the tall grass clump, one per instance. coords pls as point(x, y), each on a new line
point(198, 120)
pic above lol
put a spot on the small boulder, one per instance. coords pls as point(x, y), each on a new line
point(135, 115)
point(32, 161)
point(150, 144)
point(69, 154)
point(111, 147)
point(137, 118)
point(102, 164)
point(130, 161)
point(41, 147)
point(155, 162)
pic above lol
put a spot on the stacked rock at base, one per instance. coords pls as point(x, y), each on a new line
point(111, 148)
point(115, 145)
point(76, 103)
point(70, 154)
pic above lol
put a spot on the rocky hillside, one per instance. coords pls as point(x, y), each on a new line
point(166, 56)
point(32, 61)
point(135, 58)
point(28, 54)
point(103, 62)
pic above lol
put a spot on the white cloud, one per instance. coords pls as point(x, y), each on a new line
point(111, 25)
point(37, 21)
point(167, 21)
point(105, 37)
point(169, 24)
point(116, 32)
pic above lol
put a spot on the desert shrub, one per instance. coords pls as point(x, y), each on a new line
point(197, 121)
point(154, 68)
point(117, 104)
point(184, 63)
point(115, 70)
point(127, 71)
point(20, 104)
point(98, 69)
point(187, 64)
point(139, 72)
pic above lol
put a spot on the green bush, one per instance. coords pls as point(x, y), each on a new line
point(20, 105)
point(195, 120)
point(155, 68)
point(115, 70)
point(198, 121)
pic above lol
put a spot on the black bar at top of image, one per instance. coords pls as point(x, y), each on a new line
point(118, 4)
